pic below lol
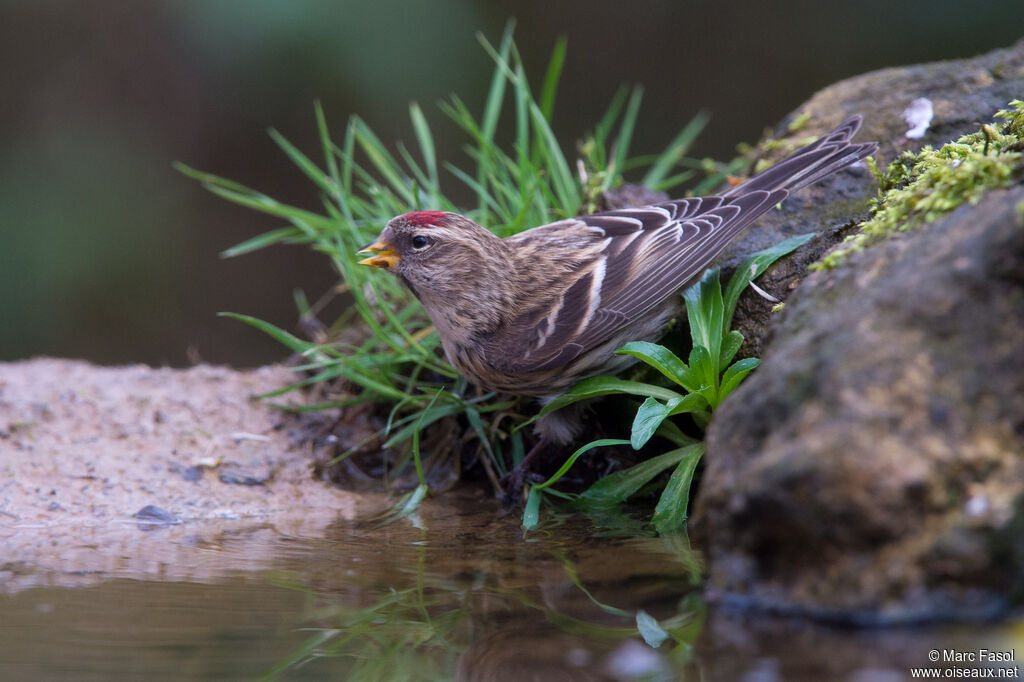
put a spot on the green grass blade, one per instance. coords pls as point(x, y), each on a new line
point(260, 242)
point(426, 142)
point(281, 336)
point(551, 78)
point(416, 443)
point(327, 149)
point(406, 505)
point(675, 151)
point(426, 418)
point(531, 514)
point(309, 169)
point(562, 470)
point(624, 138)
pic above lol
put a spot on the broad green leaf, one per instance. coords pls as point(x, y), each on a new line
point(598, 386)
point(705, 311)
point(663, 360)
point(648, 418)
point(730, 345)
point(692, 402)
point(670, 513)
point(752, 267)
point(670, 432)
point(734, 375)
point(652, 413)
point(704, 370)
point(617, 487)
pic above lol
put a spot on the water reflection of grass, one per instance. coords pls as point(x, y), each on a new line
point(553, 608)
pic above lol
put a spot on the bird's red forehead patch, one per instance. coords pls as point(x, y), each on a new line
point(420, 218)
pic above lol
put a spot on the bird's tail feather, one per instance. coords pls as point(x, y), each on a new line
point(811, 163)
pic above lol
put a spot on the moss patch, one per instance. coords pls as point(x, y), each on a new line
point(919, 188)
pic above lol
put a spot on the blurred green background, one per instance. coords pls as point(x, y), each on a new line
point(107, 253)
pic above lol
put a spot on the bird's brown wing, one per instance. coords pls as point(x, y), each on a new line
point(648, 254)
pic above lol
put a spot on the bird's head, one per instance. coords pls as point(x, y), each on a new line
point(437, 255)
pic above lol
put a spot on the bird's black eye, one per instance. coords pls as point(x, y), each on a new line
point(420, 242)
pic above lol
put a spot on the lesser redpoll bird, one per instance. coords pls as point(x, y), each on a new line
point(534, 313)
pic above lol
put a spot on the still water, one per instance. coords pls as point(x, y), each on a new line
point(456, 591)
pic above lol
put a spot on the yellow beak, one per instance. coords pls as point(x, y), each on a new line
point(384, 255)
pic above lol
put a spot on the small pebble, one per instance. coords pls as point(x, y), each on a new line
point(192, 473)
point(236, 477)
point(153, 514)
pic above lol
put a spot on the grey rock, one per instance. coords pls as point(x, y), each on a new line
point(871, 470)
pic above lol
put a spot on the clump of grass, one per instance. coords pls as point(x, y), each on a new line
point(919, 188)
point(382, 352)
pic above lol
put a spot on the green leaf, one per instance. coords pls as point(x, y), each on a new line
point(705, 310)
point(672, 434)
point(730, 346)
point(405, 506)
point(576, 455)
point(260, 241)
point(652, 413)
point(648, 419)
point(617, 487)
point(624, 138)
point(281, 336)
point(675, 150)
point(704, 369)
point(598, 386)
point(426, 142)
point(693, 402)
point(663, 360)
point(752, 267)
point(734, 375)
point(310, 169)
point(416, 441)
point(670, 513)
point(531, 514)
point(427, 417)
point(474, 420)
point(551, 78)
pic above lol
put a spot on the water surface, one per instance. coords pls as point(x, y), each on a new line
point(456, 591)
